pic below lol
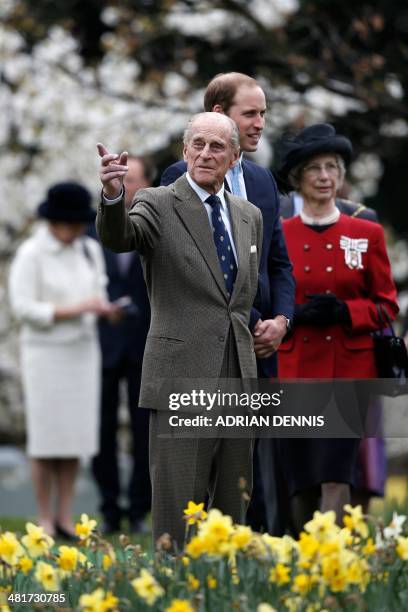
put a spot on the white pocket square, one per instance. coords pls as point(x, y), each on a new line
point(253, 248)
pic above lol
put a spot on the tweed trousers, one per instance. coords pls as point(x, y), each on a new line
point(197, 469)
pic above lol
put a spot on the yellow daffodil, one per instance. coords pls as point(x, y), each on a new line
point(47, 576)
point(358, 573)
point(308, 548)
point(215, 531)
point(37, 542)
point(68, 558)
point(10, 548)
point(302, 584)
point(280, 574)
point(110, 603)
point(369, 548)
point(180, 605)
point(108, 558)
point(354, 520)
point(241, 537)
point(211, 582)
point(195, 548)
point(25, 564)
point(323, 526)
point(281, 548)
point(194, 513)
point(147, 587)
point(265, 607)
point(92, 602)
point(334, 574)
point(99, 602)
point(85, 528)
point(192, 583)
point(185, 561)
point(402, 548)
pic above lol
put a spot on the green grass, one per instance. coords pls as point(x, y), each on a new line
point(17, 525)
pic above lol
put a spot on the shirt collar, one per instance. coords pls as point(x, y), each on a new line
point(202, 194)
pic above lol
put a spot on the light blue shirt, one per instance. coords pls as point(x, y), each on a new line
point(241, 181)
point(203, 195)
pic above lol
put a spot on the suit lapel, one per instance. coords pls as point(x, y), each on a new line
point(250, 184)
point(193, 214)
point(242, 239)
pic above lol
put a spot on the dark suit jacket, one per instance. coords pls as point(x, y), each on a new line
point(347, 207)
point(276, 288)
point(128, 337)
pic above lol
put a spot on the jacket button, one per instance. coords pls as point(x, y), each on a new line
point(328, 338)
point(329, 246)
point(306, 247)
point(328, 291)
point(305, 339)
point(221, 338)
point(329, 269)
point(307, 268)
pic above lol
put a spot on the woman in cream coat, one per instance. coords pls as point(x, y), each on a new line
point(57, 291)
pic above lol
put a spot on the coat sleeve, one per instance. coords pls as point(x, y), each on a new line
point(282, 282)
point(380, 290)
point(24, 289)
point(123, 231)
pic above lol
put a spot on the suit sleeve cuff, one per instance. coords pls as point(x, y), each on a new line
point(109, 201)
point(254, 318)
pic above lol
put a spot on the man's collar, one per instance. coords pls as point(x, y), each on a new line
point(202, 193)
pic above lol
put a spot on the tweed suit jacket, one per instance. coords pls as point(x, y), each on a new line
point(191, 316)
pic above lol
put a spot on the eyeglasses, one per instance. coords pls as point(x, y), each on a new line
point(313, 170)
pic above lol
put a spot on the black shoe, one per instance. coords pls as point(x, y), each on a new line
point(63, 534)
point(110, 527)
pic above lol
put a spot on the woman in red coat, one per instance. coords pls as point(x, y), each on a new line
point(342, 272)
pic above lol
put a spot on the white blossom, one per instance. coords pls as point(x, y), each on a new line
point(394, 529)
point(272, 13)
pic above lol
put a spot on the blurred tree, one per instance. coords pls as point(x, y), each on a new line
point(342, 61)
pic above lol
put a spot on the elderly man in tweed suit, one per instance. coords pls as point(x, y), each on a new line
point(199, 310)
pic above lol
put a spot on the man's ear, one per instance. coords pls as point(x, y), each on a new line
point(185, 153)
point(217, 108)
point(236, 155)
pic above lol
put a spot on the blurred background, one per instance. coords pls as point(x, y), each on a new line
point(129, 73)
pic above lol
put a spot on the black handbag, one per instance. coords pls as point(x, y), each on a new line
point(391, 356)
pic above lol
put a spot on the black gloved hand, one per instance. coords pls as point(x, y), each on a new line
point(333, 310)
point(321, 309)
point(306, 314)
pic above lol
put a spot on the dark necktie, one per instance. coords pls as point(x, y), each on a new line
point(223, 244)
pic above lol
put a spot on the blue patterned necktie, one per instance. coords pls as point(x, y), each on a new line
point(235, 174)
point(223, 244)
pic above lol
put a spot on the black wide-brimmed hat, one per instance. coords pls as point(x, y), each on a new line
point(313, 140)
point(67, 203)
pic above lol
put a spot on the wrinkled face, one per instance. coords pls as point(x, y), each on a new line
point(320, 178)
point(209, 153)
point(67, 232)
point(248, 111)
point(134, 180)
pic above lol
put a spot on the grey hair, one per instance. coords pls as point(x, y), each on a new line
point(221, 118)
point(295, 174)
